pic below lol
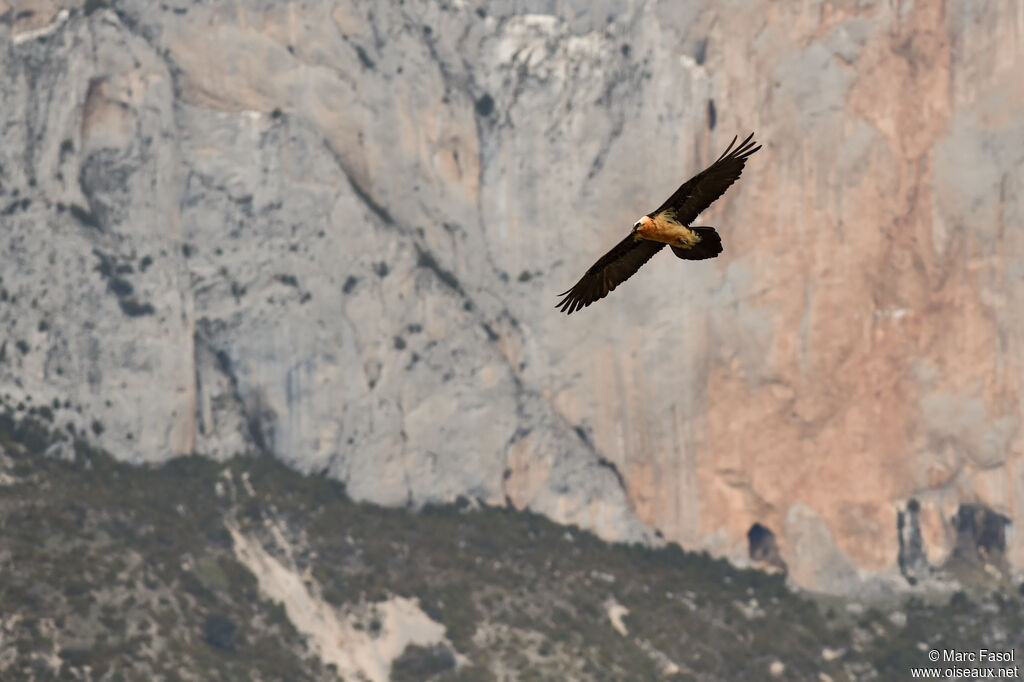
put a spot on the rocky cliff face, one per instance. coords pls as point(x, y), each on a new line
point(335, 233)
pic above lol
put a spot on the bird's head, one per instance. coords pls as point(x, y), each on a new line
point(639, 224)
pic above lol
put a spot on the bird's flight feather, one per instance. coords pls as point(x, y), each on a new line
point(700, 191)
point(611, 270)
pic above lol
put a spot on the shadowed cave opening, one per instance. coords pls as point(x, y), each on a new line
point(763, 547)
point(980, 532)
point(980, 539)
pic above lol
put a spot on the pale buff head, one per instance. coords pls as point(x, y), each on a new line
point(643, 225)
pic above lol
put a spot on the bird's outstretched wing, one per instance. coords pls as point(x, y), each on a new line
point(611, 270)
point(697, 193)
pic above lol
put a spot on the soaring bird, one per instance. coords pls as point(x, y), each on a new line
point(669, 224)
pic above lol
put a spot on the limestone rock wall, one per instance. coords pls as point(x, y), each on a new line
point(335, 232)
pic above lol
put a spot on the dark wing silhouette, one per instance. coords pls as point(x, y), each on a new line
point(697, 193)
point(611, 270)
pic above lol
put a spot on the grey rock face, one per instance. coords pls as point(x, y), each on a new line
point(97, 294)
point(243, 239)
point(334, 233)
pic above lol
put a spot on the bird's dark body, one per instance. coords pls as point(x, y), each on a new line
point(709, 246)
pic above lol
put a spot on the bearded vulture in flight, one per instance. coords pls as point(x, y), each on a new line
point(669, 224)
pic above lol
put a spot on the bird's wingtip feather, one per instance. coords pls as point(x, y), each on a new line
point(728, 149)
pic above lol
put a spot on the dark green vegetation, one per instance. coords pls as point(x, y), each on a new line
point(126, 572)
point(114, 572)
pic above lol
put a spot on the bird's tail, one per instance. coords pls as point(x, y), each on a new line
point(709, 246)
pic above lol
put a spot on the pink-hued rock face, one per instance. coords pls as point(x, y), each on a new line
point(336, 233)
point(880, 272)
